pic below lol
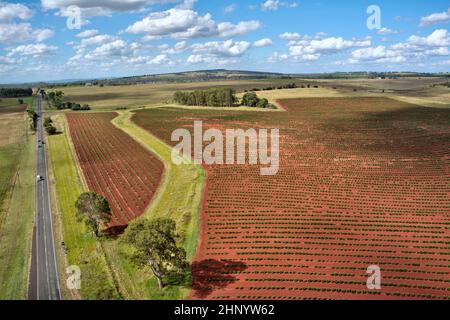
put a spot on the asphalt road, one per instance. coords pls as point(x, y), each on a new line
point(44, 281)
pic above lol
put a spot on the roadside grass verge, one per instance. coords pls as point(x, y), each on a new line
point(8, 168)
point(179, 198)
point(82, 247)
point(17, 164)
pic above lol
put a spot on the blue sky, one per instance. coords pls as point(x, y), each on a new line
point(72, 39)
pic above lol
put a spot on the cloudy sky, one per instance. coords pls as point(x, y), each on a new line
point(73, 39)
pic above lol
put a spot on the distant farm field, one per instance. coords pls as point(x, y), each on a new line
point(421, 91)
point(114, 165)
point(135, 96)
point(11, 105)
point(362, 181)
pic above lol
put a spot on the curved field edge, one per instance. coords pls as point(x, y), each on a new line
point(82, 249)
point(178, 197)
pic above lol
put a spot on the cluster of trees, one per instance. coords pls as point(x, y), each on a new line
point(251, 99)
point(443, 84)
point(48, 125)
point(15, 92)
point(211, 98)
point(286, 86)
point(75, 106)
point(220, 98)
point(33, 117)
point(154, 242)
point(76, 84)
point(55, 100)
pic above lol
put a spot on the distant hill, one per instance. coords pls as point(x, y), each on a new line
point(193, 76)
point(217, 75)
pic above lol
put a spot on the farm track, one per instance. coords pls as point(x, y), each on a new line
point(362, 181)
point(115, 166)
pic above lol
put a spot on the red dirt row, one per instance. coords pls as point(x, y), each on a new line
point(115, 166)
point(361, 182)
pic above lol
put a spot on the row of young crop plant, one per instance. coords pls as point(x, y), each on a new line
point(114, 165)
point(361, 182)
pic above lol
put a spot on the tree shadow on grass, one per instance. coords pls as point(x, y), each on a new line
point(209, 275)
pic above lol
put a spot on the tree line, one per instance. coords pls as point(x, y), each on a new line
point(286, 86)
point(15, 92)
point(220, 98)
point(207, 98)
point(55, 100)
point(251, 99)
point(48, 125)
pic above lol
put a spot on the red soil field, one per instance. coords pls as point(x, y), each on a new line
point(362, 181)
point(115, 166)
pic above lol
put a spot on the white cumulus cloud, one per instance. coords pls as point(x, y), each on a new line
point(87, 33)
point(22, 32)
point(186, 24)
point(415, 50)
point(262, 43)
point(435, 18)
point(35, 50)
point(11, 11)
point(386, 31)
point(290, 36)
point(91, 8)
point(228, 48)
point(274, 5)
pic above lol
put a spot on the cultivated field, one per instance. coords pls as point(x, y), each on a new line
point(421, 91)
point(115, 166)
point(362, 181)
point(178, 196)
point(269, 237)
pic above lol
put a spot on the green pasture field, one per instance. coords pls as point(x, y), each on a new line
point(17, 185)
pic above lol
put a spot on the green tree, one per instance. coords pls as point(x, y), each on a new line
point(47, 121)
point(212, 97)
point(250, 99)
point(155, 245)
point(32, 115)
point(213, 100)
point(94, 208)
point(263, 103)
